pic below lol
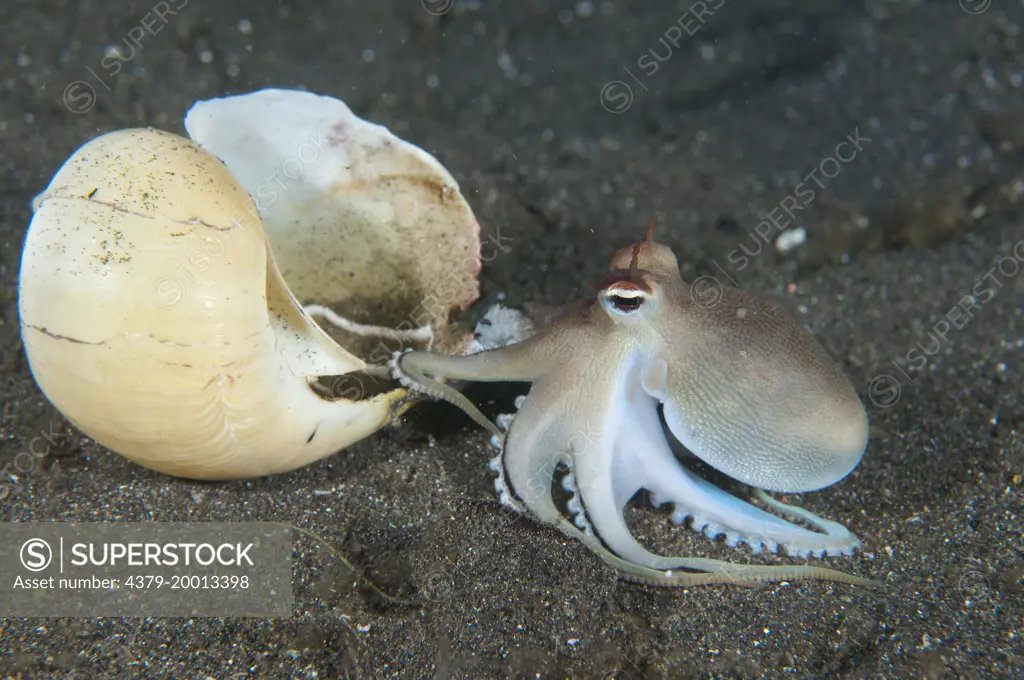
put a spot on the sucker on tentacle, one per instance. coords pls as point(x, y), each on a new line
point(742, 386)
point(438, 390)
point(500, 487)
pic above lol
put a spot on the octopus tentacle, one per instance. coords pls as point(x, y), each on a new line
point(693, 571)
point(617, 461)
point(575, 505)
point(505, 496)
point(715, 512)
point(420, 382)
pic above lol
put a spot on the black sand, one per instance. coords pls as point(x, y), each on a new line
point(506, 95)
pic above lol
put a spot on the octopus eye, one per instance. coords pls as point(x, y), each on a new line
point(624, 298)
point(626, 304)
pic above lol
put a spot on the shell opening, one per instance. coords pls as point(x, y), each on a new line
point(354, 386)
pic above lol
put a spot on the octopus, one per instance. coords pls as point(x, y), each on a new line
point(737, 382)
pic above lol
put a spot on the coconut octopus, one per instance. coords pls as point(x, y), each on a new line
point(741, 385)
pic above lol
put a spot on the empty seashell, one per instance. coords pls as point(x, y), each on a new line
point(155, 317)
point(410, 248)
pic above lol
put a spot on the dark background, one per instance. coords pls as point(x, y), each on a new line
point(507, 95)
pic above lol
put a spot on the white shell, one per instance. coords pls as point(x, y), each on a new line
point(310, 164)
point(155, 319)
